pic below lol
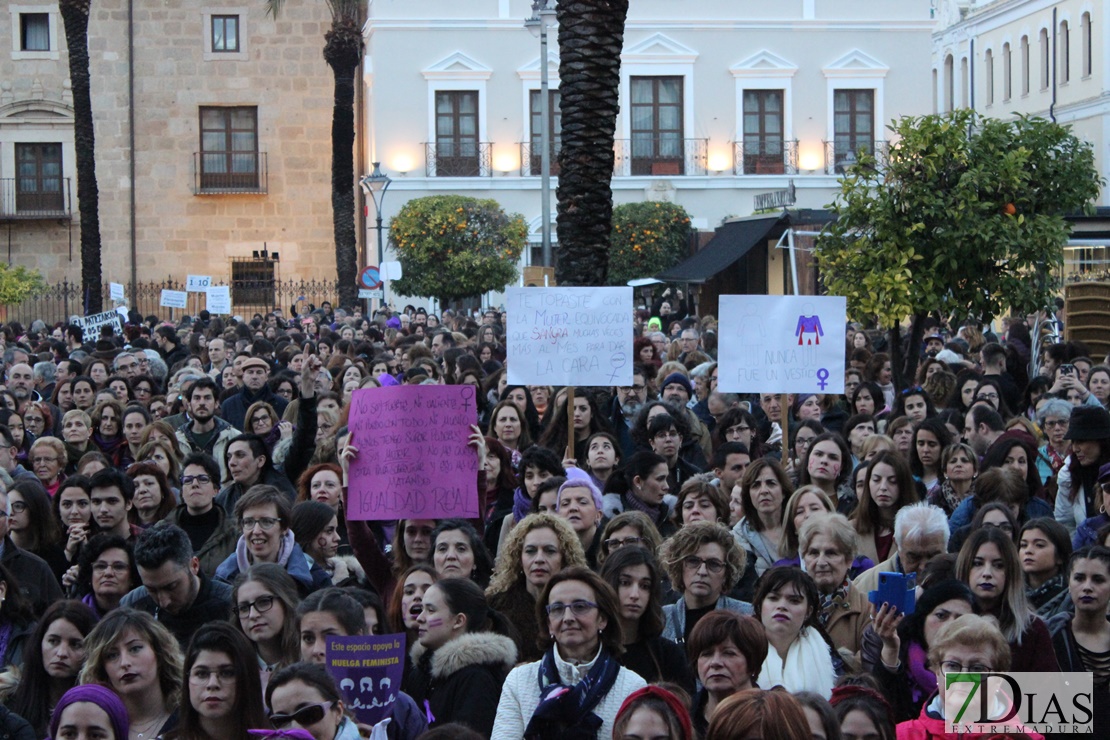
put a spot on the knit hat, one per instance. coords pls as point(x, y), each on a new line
point(1104, 473)
point(1088, 423)
point(578, 478)
point(667, 698)
point(102, 697)
point(681, 380)
point(655, 323)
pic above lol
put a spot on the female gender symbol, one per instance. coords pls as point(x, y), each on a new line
point(822, 378)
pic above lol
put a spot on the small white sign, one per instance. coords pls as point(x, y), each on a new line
point(781, 344)
point(569, 336)
point(197, 283)
point(370, 293)
point(91, 325)
point(219, 300)
point(115, 291)
point(174, 299)
point(391, 270)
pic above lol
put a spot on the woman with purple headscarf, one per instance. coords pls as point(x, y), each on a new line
point(89, 711)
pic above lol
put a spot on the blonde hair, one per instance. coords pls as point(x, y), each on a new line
point(111, 629)
point(789, 544)
point(876, 443)
point(832, 525)
point(508, 571)
point(75, 413)
point(973, 631)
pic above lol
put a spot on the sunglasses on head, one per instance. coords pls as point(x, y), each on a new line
point(304, 716)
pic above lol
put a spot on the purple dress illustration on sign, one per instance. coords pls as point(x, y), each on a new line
point(808, 324)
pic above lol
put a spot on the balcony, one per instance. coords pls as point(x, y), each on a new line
point(661, 157)
point(230, 173)
point(458, 159)
point(530, 159)
point(770, 157)
point(35, 199)
point(841, 154)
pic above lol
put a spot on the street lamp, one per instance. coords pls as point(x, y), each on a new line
point(543, 17)
point(375, 184)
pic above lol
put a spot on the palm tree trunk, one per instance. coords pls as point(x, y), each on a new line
point(75, 17)
point(591, 36)
point(342, 52)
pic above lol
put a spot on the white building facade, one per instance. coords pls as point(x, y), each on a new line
point(720, 100)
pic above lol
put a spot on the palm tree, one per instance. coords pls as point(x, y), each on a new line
point(591, 36)
point(343, 53)
point(75, 17)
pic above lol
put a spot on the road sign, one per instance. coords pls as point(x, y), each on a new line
point(370, 278)
point(370, 292)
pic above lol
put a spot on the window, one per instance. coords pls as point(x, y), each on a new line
point(252, 282)
point(656, 117)
point(949, 84)
point(225, 33)
point(1007, 67)
point(764, 138)
point(853, 125)
point(1085, 41)
point(554, 130)
point(38, 185)
point(1043, 42)
point(229, 158)
point(1065, 52)
point(965, 84)
point(988, 62)
point(34, 32)
point(457, 146)
point(1024, 65)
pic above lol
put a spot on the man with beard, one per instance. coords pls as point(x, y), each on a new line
point(21, 383)
point(202, 430)
point(627, 402)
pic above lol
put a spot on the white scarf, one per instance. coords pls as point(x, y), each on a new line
point(808, 666)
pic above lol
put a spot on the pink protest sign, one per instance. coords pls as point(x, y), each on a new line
point(413, 460)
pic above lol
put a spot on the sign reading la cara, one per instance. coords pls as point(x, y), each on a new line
point(569, 336)
point(781, 344)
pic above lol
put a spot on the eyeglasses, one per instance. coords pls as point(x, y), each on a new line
point(615, 543)
point(201, 675)
point(633, 388)
point(304, 716)
point(670, 434)
point(1004, 526)
point(187, 479)
point(261, 605)
point(17, 507)
point(266, 523)
point(951, 666)
point(694, 563)
point(1054, 423)
point(986, 396)
point(577, 608)
point(37, 460)
point(117, 567)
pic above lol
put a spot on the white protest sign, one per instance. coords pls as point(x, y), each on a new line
point(197, 283)
point(174, 299)
point(115, 291)
point(219, 300)
point(569, 336)
point(781, 344)
point(391, 270)
point(91, 325)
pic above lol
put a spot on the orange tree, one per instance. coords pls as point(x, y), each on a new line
point(452, 247)
point(647, 238)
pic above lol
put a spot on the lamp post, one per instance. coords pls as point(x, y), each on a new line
point(375, 184)
point(543, 17)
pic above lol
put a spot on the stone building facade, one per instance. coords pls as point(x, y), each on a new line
point(230, 146)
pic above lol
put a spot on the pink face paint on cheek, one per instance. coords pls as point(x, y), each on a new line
point(433, 623)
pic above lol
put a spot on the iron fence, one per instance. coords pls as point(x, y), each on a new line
point(231, 173)
point(765, 157)
point(59, 301)
point(530, 155)
point(841, 154)
point(32, 199)
point(450, 158)
point(661, 156)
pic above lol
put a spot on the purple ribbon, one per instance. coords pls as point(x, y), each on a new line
point(297, 733)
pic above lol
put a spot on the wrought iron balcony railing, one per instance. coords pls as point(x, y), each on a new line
point(230, 173)
point(766, 157)
point(661, 156)
point(842, 153)
point(458, 159)
point(39, 198)
point(530, 158)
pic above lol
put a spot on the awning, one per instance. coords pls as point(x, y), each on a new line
point(731, 242)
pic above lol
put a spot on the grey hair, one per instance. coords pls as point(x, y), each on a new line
point(45, 371)
point(1054, 407)
point(833, 525)
point(920, 520)
point(702, 369)
point(158, 369)
point(125, 353)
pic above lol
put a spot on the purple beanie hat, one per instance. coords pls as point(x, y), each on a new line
point(102, 697)
point(578, 478)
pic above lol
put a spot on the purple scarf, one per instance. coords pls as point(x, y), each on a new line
point(923, 682)
point(522, 505)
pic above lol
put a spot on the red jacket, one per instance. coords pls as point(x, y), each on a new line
point(928, 728)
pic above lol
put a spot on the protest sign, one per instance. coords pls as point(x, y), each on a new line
point(115, 291)
point(413, 460)
point(174, 299)
point(197, 283)
point(91, 325)
point(218, 300)
point(781, 344)
point(368, 671)
point(569, 336)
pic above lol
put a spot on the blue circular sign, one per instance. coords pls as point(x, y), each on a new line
point(370, 278)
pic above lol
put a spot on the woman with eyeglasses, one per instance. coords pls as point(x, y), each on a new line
point(631, 528)
point(304, 696)
point(704, 563)
point(222, 698)
point(577, 687)
point(264, 603)
point(106, 573)
point(32, 525)
point(636, 578)
point(261, 419)
point(537, 548)
point(37, 419)
point(738, 425)
point(802, 435)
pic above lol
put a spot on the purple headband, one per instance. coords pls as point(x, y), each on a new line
point(102, 697)
point(578, 478)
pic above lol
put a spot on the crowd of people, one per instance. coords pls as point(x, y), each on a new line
point(662, 560)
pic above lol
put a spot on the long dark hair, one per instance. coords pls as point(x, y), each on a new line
point(248, 712)
point(1085, 477)
point(43, 530)
point(32, 696)
point(464, 596)
point(483, 563)
point(556, 431)
point(651, 621)
point(938, 429)
point(996, 458)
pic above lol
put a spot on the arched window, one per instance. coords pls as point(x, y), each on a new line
point(1007, 67)
point(1024, 65)
point(949, 84)
point(1065, 52)
point(1043, 42)
point(989, 76)
point(1085, 41)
